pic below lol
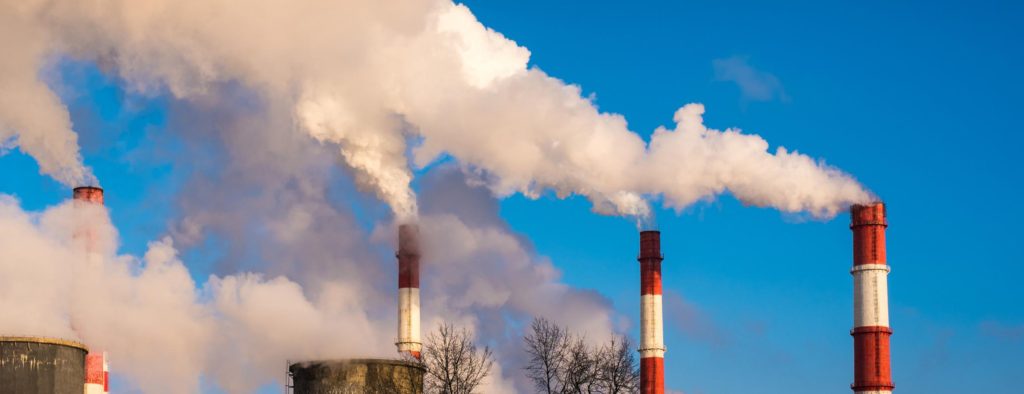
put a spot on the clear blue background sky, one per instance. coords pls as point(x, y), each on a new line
point(918, 101)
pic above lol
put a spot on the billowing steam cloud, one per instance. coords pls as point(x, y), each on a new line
point(164, 332)
point(147, 312)
point(380, 78)
point(31, 115)
point(391, 86)
point(476, 271)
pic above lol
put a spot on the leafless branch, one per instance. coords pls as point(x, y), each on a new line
point(562, 363)
point(454, 363)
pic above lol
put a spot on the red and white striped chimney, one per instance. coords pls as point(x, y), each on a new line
point(97, 375)
point(96, 370)
point(408, 290)
point(85, 234)
point(871, 370)
point(652, 335)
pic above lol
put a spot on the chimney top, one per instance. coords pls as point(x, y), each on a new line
point(650, 244)
point(408, 239)
point(91, 194)
point(871, 214)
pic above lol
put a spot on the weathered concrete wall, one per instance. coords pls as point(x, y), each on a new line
point(41, 366)
point(370, 376)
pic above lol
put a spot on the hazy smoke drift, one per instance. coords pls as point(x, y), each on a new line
point(370, 76)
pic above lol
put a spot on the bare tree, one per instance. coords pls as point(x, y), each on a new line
point(454, 363)
point(563, 363)
point(617, 367)
point(547, 346)
point(580, 372)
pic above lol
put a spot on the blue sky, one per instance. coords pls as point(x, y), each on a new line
point(917, 101)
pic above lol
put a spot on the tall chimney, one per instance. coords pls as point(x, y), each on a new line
point(871, 370)
point(408, 290)
point(652, 336)
point(84, 233)
point(96, 372)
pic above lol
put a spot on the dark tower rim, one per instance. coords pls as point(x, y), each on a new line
point(45, 340)
point(338, 361)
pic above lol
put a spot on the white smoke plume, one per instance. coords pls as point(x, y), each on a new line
point(32, 117)
point(378, 79)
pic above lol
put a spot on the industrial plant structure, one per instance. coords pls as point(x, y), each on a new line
point(373, 376)
point(409, 290)
point(35, 365)
point(31, 365)
point(871, 332)
point(871, 370)
point(652, 331)
point(49, 365)
point(96, 369)
point(357, 376)
point(97, 373)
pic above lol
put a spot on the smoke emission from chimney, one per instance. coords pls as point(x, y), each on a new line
point(365, 77)
point(391, 88)
point(165, 331)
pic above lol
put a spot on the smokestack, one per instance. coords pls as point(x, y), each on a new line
point(97, 377)
point(871, 370)
point(84, 233)
point(91, 194)
point(408, 290)
point(652, 336)
point(96, 370)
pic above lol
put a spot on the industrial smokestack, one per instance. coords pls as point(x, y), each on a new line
point(871, 370)
point(91, 194)
point(652, 336)
point(84, 232)
point(96, 370)
point(409, 290)
point(97, 376)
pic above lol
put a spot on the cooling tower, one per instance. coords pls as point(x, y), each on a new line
point(359, 376)
point(33, 365)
